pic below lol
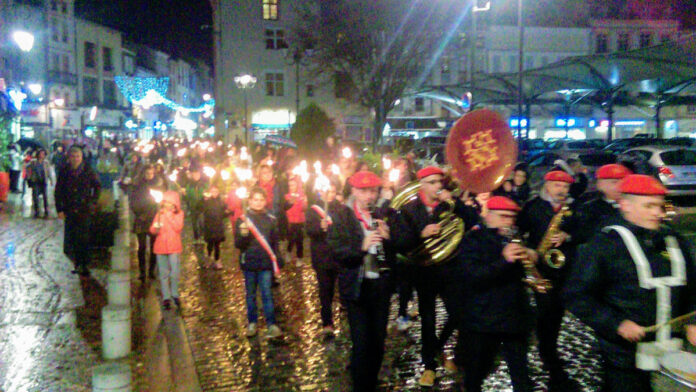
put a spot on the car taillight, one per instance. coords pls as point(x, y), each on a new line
point(665, 171)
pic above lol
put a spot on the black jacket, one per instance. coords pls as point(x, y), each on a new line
point(603, 288)
point(494, 298)
point(252, 256)
point(412, 218)
point(77, 191)
point(592, 216)
point(345, 237)
point(214, 214)
point(533, 221)
point(143, 204)
point(321, 251)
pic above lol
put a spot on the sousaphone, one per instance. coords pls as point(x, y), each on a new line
point(482, 153)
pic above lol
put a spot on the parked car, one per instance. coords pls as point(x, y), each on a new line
point(544, 161)
point(570, 148)
point(675, 167)
point(529, 148)
point(620, 145)
point(681, 141)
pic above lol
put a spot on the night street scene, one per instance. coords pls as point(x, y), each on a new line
point(348, 195)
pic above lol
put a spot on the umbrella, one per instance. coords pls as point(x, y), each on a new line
point(280, 141)
point(25, 143)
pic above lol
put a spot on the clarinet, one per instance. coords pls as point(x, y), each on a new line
point(379, 259)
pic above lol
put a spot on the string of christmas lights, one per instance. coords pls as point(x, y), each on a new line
point(148, 92)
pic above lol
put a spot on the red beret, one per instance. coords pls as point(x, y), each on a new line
point(429, 171)
point(502, 203)
point(559, 175)
point(640, 184)
point(364, 179)
point(612, 171)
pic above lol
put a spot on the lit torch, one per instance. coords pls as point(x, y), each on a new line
point(347, 153)
point(386, 163)
point(157, 195)
point(209, 171)
point(225, 175)
point(243, 195)
point(173, 176)
point(243, 156)
point(181, 152)
point(335, 169)
point(394, 175)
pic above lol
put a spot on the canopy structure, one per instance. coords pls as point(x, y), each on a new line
point(653, 76)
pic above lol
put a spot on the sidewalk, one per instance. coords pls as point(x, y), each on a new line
point(50, 319)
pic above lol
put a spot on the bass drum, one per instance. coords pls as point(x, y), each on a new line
point(677, 373)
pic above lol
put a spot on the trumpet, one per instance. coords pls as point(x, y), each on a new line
point(532, 277)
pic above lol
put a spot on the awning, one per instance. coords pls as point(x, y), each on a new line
point(280, 141)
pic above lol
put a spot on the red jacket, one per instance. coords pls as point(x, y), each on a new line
point(168, 235)
point(296, 211)
point(234, 205)
point(268, 188)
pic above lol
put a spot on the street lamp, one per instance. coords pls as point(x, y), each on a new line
point(297, 57)
point(245, 82)
point(472, 42)
point(24, 40)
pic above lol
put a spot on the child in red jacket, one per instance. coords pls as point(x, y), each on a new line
point(167, 227)
point(295, 206)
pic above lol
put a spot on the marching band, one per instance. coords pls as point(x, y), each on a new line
point(507, 267)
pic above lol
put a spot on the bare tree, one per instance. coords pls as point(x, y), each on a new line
point(375, 49)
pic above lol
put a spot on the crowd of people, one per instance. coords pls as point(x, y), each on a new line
point(615, 249)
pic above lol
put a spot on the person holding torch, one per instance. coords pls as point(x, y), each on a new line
point(166, 227)
point(257, 241)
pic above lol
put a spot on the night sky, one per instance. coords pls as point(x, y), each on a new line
point(174, 26)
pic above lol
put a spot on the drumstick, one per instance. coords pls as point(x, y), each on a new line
point(655, 327)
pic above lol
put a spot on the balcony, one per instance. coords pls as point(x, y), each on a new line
point(60, 77)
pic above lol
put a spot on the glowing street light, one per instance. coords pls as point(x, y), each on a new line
point(24, 40)
point(35, 88)
point(245, 82)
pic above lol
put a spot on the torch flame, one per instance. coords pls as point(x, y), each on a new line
point(241, 192)
point(181, 152)
point(157, 195)
point(387, 163)
point(335, 169)
point(209, 171)
point(394, 175)
point(225, 175)
point(347, 153)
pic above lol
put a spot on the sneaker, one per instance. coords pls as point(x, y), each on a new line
point(403, 323)
point(251, 330)
point(274, 332)
point(298, 263)
point(167, 304)
point(427, 379)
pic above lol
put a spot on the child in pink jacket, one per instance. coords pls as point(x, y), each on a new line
point(167, 227)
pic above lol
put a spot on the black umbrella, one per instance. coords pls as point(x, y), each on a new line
point(25, 143)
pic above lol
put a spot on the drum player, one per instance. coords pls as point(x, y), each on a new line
point(619, 277)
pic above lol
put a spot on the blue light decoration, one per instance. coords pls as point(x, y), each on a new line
point(148, 92)
point(514, 122)
point(560, 122)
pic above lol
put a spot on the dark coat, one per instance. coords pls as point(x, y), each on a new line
point(252, 256)
point(495, 299)
point(412, 218)
point(345, 237)
point(77, 191)
point(591, 218)
point(214, 214)
point(603, 288)
point(321, 251)
point(143, 204)
point(533, 221)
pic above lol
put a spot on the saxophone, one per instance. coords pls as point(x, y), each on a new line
point(532, 277)
point(554, 258)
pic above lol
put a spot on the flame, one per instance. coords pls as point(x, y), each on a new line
point(209, 171)
point(347, 153)
point(157, 195)
point(335, 169)
point(321, 183)
point(225, 175)
point(394, 175)
point(181, 152)
point(317, 167)
point(241, 192)
point(174, 175)
point(230, 153)
point(386, 163)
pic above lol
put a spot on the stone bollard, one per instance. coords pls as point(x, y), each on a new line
point(111, 377)
point(116, 331)
point(120, 258)
point(118, 287)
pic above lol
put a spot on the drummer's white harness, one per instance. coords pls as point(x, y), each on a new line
point(648, 353)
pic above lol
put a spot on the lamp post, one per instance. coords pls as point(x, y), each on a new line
point(520, 68)
point(472, 44)
point(245, 82)
point(24, 40)
point(297, 57)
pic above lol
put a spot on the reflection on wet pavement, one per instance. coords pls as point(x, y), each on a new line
point(214, 313)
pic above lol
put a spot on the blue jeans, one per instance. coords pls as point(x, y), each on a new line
point(262, 279)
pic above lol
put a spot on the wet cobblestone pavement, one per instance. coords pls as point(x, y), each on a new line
point(214, 314)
